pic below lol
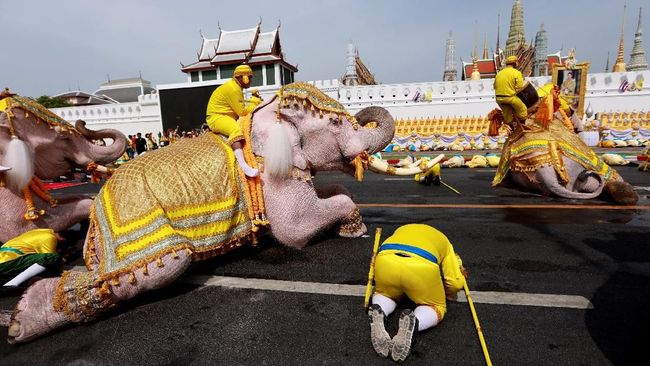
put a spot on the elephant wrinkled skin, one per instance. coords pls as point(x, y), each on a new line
point(294, 135)
point(549, 158)
point(55, 147)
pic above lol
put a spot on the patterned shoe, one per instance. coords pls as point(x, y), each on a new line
point(405, 337)
point(381, 341)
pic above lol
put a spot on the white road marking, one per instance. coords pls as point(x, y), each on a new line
point(399, 179)
point(482, 297)
point(638, 188)
point(479, 297)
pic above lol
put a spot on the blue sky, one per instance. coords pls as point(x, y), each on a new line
point(49, 47)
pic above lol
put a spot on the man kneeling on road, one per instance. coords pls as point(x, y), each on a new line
point(419, 261)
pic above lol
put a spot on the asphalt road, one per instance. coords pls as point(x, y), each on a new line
point(586, 249)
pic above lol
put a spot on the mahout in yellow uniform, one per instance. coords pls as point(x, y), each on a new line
point(417, 261)
point(226, 105)
point(507, 83)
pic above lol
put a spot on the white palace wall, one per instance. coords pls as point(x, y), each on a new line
point(129, 118)
point(470, 98)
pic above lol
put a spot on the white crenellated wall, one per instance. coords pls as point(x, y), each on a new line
point(476, 97)
point(129, 118)
point(448, 99)
point(604, 96)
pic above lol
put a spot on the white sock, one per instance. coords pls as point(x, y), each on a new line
point(386, 303)
point(250, 172)
point(23, 276)
point(427, 317)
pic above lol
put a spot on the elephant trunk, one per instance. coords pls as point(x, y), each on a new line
point(378, 137)
point(553, 186)
point(97, 153)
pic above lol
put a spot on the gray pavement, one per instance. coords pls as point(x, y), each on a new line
point(599, 253)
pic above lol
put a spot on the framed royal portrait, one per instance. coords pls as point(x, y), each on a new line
point(573, 85)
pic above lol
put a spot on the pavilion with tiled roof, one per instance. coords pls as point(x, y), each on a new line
point(486, 67)
point(218, 57)
point(78, 97)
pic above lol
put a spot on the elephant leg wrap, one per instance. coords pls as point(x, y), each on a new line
point(80, 297)
point(352, 223)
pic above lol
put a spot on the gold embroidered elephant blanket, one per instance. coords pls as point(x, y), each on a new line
point(534, 145)
point(185, 196)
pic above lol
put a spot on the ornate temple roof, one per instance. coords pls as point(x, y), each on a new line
point(356, 72)
point(516, 36)
point(249, 46)
point(486, 67)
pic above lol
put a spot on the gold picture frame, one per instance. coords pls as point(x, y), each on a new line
point(573, 85)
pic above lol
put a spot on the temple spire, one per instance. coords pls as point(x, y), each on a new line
point(450, 60)
point(351, 78)
point(516, 34)
point(476, 75)
point(485, 49)
point(620, 64)
point(498, 32)
point(637, 57)
point(540, 65)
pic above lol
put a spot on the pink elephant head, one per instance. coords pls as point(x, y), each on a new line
point(50, 146)
point(304, 128)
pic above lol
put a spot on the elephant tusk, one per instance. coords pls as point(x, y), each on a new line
point(380, 166)
point(414, 164)
point(102, 169)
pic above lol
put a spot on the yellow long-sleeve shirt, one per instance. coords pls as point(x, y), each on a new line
point(508, 82)
point(228, 99)
point(435, 242)
point(32, 242)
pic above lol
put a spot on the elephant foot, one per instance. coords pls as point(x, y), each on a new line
point(352, 226)
point(621, 193)
point(34, 315)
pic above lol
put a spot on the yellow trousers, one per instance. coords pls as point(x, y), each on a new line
point(227, 126)
point(415, 277)
point(511, 106)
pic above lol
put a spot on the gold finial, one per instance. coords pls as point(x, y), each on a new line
point(620, 64)
point(476, 75)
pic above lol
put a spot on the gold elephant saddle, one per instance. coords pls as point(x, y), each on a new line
point(529, 148)
point(185, 196)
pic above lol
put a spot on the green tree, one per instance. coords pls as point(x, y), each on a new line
point(52, 102)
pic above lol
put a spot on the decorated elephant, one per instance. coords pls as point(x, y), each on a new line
point(37, 144)
point(543, 154)
point(188, 201)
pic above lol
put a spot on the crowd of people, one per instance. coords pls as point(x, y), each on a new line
point(138, 145)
